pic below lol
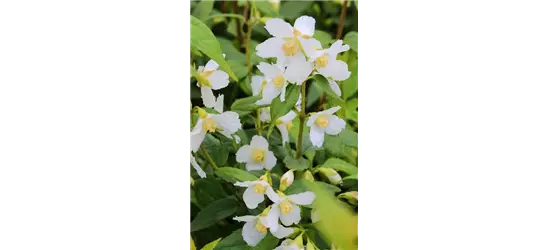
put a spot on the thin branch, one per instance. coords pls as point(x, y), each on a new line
point(341, 20)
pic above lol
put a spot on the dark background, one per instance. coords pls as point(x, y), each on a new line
point(7, 8)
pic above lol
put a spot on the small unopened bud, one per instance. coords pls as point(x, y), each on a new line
point(267, 177)
point(286, 180)
point(351, 197)
point(315, 216)
point(331, 174)
point(308, 176)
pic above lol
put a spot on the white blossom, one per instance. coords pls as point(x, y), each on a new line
point(289, 244)
point(256, 155)
point(286, 208)
point(324, 122)
point(255, 192)
point(197, 167)
point(286, 180)
point(209, 77)
point(255, 229)
point(284, 125)
point(265, 114)
point(226, 123)
point(326, 62)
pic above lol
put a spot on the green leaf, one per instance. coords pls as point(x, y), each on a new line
point(217, 150)
point(247, 103)
point(340, 165)
point(279, 108)
point(234, 174)
point(239, 68)
point(203, 9)
point(235, 242)
point(208, 190)
point(299, 186)
point(350, 86)
point(351, 39)
point(293, 9)
point(215, 212)
point(211, 245)
point(321, 82)
point(351, 177)
point(204, 40)
point(266, 8)
point(323, 37)
point(296, 164)
point(351, 112)
point(349, 138)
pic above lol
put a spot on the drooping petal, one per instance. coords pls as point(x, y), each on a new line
point(317, 136)
point(283, 132)
point(272, 47)
point(288, 117)
point(279, 28)
point(219, 104)
point(243, 154)
point(305, 198)
point(331, 110)
point(272, 217)
point(218, 79)
point(269, 70)
point(228, 121)
point(211, 65)
point(243, 184)
point(250, 235)
point(310, 46)
point(337, 48)
point(270, 160)
point(335, 125)
point(291, 218)
point(306, 25)
point(245, 218)
point(259, 142)
point(197, 167)
point(257, 81)
point(208, 97)
point(334, 86)
point(272, 195)
point(197, 139)
point(251, 198)
point(298, 70)
point(269, 93)
point(282, 232)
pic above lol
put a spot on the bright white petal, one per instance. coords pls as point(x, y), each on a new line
point(317, 136)
point(250, 234)
point(251, 198)
point(305, 198)
point(282, 232)
point(305, 24)
point(200, 69)
point(279, 28)
point(272, 47)
point(269, 93)
point(245, 218)
point(218, 79)
point(336, 69)
point(312, 119)
point(283, 92)
point(243, 184)
point(208, 97)
point(335, 125)
point(244, 153)
point(259, 142)
point(272, 195)
point(269, 70)
point(298, 70)
point(197, 139)
point(265, 115)
point(211, 65)
point(219, 104)
point(292, 218)
point(272, 217)
point(257, 81)
point(331, 110)
point(283, 132)
point(337, 48)
point(197, 167)
point(334, 86)
point(228, 121)
point(270, 160)
point(288, 117)
point(253, 166)
point(311, 46)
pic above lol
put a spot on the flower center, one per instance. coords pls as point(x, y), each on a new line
point(279, 80)
point(297, 32)
point(209, 125)
point(258, 188)
point(290, 47)
point(289, 125)
point(202, 113)
point(202, 78)
point(260, 227)
point(322, 121)
point(258, 155)
point(286, 207)
point(322, 60)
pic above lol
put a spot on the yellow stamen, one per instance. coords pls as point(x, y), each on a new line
point(279, 122)
point(306, 36)
point(209, 125)
point(202, 113)
point(289, 125)
point(202, 78)
point(260, 227)
point(322, 60)
point(322, 121)
point(279, 81)
point(258, 155)
point(258, 188)
point(291, 47)
point(286, 207)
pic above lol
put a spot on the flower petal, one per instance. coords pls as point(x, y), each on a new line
point(335, 125)
point(305, 198)
point(253, 166)
point(270, 92)
point(197, 167)
point(197, 139)
point(269, 70)
point(272, 217)
point(272, 47)
point(279, 28)
point(219, 104)
point(331, 110)
point(257, 81)
point(250, 235)
point(270, 160)
point(311, 47)
point(243, 154)
point(337, 48)
point(317, 136)
point(334, 86)
point(208, 97)
point(306, 25)
point(251, 198)
point(259, 142)
point(245, 218)
point(282, 232)
point(292, 218)
point(336, 69)
point(312, 119)
point(272, 195)
point(211, 65)
point(298, 70)
point(283, 132)
point(228, 121)
point(243, 183)
point(218, 79)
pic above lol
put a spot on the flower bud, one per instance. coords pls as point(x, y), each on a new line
point(307, 175)
point(331, 174)
point(286, 180)
point(315, 216)
point(351, 197)
point(267, 177)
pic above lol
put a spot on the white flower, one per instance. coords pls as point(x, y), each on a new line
point(331, 174)
point(286, 180)
point(298, 103)
point(334, 86)
point(255, 229)
point(258, 83)
point(265, 114)
point(326, 62)
point(255, 192)
point(197, 167)
point(273, 84)
point(286, 208)
point(284, 125)
point(226, 123)
point(256, 155)
point(289, 244)
point(237, 139)
point(208, 78)
point(324, 122)
point(218, 106)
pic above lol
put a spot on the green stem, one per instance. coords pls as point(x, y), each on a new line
point(258, 122)
point(301, 119)
point(227, 15)
point(208, 157)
